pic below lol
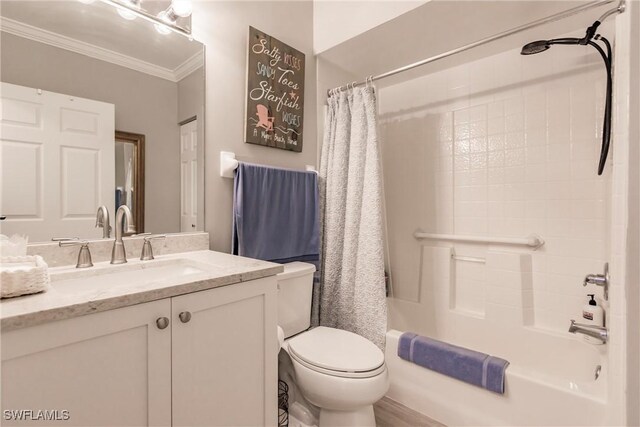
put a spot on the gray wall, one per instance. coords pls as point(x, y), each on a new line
point(191, 95)
point(223, 27)
point(143, 103)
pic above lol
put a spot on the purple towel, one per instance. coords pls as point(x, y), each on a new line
point(466, 365)
point(275, 214)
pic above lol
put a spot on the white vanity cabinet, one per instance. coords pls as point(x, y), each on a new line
point(110, 368)
point(216, 365)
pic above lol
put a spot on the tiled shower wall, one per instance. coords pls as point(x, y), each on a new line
point(504, 146)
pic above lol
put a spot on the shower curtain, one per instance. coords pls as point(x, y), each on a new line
point(352, 293)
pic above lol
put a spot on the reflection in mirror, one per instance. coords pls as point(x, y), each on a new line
point(130, 176)
point(71, 74)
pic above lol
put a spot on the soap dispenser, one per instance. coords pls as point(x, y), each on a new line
point(592, 314)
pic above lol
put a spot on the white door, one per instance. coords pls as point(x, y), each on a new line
point(110, 369)
point(224, 360)
point(189, 176)
point(58, 163)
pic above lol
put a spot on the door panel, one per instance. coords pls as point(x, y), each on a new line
point(22, 162)
point(111, 368)
point(225, 357)
point(189, 174)
point(58, 162)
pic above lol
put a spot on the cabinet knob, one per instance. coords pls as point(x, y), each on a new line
point(162, 322)
point(185, 316)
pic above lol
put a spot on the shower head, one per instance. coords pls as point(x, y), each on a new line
point(588, 40)
point(542, 45)
point(535, 47)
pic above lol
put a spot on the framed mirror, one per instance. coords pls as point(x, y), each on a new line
point(129, 189)
point(71, 74)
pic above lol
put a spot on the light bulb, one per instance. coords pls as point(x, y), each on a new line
point(182, 8)
point(163, 29)
point(127, 14)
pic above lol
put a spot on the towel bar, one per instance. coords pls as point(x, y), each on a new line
point(229, 163)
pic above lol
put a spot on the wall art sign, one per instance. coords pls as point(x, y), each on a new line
point(275, 93)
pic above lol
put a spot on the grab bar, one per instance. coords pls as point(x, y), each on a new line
point(469, 259)
point(534, 241)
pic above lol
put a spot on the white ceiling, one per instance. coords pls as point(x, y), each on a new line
point(442, 25)
point(335, 21)
point(98, 24)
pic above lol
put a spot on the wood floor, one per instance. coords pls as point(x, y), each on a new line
point(390, 413)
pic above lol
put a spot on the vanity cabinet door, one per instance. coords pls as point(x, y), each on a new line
point(224, 356)
point(111, 368)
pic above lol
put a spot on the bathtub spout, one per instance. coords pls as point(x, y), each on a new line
point(598, 332)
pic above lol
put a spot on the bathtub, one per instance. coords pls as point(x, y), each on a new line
point(551, 381)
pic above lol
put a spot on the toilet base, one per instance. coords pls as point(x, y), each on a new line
point(360, 417)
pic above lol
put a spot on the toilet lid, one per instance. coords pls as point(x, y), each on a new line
point(336, 350)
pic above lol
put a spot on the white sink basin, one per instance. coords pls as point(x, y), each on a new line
point(133, 273)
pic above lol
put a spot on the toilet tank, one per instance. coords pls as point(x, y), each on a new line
point(295, 287)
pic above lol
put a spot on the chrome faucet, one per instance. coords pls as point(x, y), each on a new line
point(102, 220)
point(147, 249)
point(118, 254)
point(84, 256)
point(599, 280)
point(598, 332)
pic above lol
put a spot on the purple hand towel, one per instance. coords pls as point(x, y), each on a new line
point(466, 365)
point(275, 214)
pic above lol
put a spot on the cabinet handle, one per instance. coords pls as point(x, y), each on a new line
point(162, 322)
point(185, 316)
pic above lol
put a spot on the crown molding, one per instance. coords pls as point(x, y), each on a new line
point(189, 66)
point(63, 42)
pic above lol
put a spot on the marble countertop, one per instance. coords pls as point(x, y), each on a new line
point(76, 292)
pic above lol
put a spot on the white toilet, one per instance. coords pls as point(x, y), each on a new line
point(340, 372)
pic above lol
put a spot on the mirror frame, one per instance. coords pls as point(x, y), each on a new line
point(137, 139)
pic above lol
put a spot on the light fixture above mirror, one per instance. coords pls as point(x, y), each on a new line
point(165, 21)
point(177, 9)
point(126, 13)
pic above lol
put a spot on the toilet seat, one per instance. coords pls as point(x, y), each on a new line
point(337, 353)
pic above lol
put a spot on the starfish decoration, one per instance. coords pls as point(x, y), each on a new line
point(292, 94)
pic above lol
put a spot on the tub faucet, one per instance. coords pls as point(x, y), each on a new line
point(598, 332)
point(102, 220)
point(118, 254)
point(599, 280)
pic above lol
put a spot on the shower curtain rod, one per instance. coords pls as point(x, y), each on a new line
point(552, 18)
